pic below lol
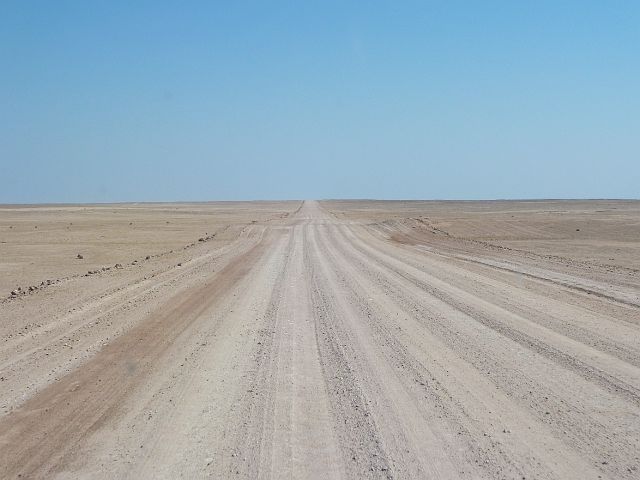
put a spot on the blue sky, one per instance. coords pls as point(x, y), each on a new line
point(110, 101)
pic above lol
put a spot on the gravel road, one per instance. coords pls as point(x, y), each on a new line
point(319, 346)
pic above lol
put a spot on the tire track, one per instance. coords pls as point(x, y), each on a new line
point(37, 437)
point(570, 419)
point(363, 452)
point(611, 383)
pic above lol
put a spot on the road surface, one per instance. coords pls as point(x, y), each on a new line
point(319, 347)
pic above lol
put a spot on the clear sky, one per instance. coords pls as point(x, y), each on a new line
point(133, 101)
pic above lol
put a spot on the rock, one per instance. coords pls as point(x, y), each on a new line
point(14, 292)
point(79, 257)
point(118, 265)
point(32, 288)
point(180, 264)
point(201, 239)
point(147, 257)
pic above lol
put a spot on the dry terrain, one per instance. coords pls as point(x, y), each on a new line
point(337, 339)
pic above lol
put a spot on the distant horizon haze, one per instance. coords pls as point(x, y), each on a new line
point(258, 200)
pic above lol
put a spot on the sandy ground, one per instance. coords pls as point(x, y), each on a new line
point(337, 339)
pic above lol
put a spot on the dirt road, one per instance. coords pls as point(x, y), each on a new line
point(320, 345)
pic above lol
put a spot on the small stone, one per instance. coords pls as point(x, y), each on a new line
point(14, 292)
point(79, 257)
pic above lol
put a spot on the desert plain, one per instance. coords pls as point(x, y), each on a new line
point(321, 339)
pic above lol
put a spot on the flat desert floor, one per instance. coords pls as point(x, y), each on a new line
point(334, 339)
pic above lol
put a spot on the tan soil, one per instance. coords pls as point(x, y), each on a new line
point(342, 339)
